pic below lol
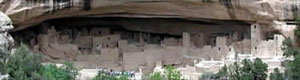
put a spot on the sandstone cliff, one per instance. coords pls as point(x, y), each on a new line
point(25, 13)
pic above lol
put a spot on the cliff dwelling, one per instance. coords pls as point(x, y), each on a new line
point(194, 36)
point(125, 43)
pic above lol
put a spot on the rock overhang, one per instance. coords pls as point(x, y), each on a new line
point(242, 10)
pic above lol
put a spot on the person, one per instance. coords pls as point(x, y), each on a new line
point(132, 74)
point(111, 73)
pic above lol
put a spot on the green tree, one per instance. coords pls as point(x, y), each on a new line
point(223, 73)
point(297, 31)
point(234, 71)
point(276, 75)
point(244, 70)
point(3, 57)
point(52, 72)
point(260, 69)
point(247, 70)
point(172, 74)
point(293, 68)
point(289, 49)
point(23, 64)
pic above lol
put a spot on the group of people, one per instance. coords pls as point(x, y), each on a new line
point(111, 72)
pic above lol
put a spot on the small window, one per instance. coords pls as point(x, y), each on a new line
point(100, 32)
point(219, 49)
point(254, 26)
point(229, 49)
point(255, 48)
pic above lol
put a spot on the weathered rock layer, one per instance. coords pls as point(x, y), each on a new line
point(25, 13)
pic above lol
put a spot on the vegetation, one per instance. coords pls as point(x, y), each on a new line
point(3, 58)
point(4, 54)
point(105, 76)
point(25, 65)
point(297, 31)
point(289, 49)
point(292, 71)
point(172, 74)
point(292, 68)
point(245, 70)
point(276, 75)
point(169, 74)
point(156, 76)
point(52, 72)
point(222, 74)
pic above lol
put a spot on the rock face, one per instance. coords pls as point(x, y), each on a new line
point(6, 41)
point(25, 13)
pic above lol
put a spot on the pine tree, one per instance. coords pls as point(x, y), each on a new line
point(276, 75)
point(260, 69)
point(245, 70)
point(223, 73)
point(23, 64)
point(288, 48)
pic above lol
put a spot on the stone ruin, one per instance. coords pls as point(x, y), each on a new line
point(197, 36)
point(121, 47)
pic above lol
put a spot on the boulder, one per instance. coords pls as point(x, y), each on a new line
point(6, 40)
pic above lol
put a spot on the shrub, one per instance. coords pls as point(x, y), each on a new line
point(23, 64)
point(245, 70)
point(105, 76)
point(276, 75)
point(52, 72)
point(156, 76)
point(3, 56)
point(172, 74)
point(169, 74)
